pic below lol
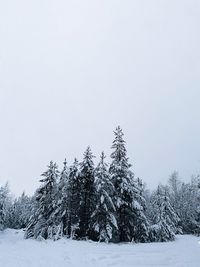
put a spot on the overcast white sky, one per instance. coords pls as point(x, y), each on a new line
point(71, 71)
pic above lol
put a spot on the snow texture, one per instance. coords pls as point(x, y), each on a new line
point(15, 251)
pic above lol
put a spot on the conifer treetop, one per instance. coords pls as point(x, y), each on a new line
point(119, 155)
point(88, 159)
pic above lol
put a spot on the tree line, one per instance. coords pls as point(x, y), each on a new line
point(104, 203)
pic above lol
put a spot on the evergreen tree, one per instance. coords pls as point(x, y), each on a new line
point(86, 195)
point(20, 212)
point(74, 199)
point(103, 217)
point(163, 217)
point(128, 210)
point(141, 224)
point(119, 171)
point(174, 190)
point(189, 195)
point(43, 223)
point(62, 197)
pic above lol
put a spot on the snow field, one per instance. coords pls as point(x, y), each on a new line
point(15, 251)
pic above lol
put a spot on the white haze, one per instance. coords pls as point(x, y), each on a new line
point(71, 71)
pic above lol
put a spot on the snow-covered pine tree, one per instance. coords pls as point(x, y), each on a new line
point(189, 206)
point(62, 197)
point(87, 194)
point(103, 217)
point(64, 175)
point(43, 224)
point(123, 198)
point(171, 216)
point(174, 188)
point(69, 203)
point(20, 212)
point(163, 217)
point(174, 184)
point(128, 210)
point(73, 200)
point(141, 224)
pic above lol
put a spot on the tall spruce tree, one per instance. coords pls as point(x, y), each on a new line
point(87, 194)
point(128, 210)
point(73, 200)
point(43, 224)
point(103, 217)
point(62, 197)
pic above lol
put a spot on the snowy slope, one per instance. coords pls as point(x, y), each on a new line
point(17, 252)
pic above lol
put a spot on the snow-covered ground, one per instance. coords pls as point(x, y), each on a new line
point(17, 252)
